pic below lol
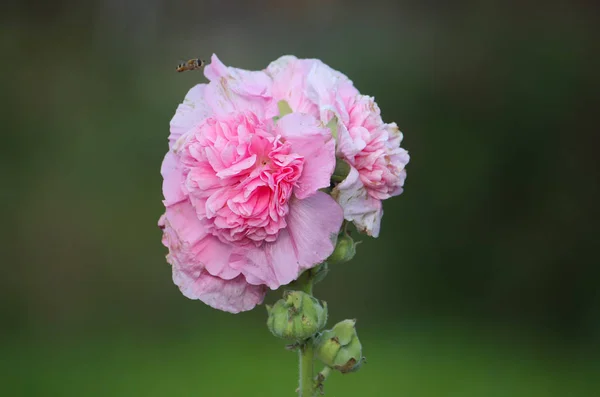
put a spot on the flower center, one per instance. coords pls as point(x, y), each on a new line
point(242, 177)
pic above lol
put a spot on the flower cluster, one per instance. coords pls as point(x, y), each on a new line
point(247, 189)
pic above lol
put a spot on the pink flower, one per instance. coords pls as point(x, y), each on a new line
point(370, 146)
point(243, 206)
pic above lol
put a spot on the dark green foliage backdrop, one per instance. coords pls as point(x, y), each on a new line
point(483, 282)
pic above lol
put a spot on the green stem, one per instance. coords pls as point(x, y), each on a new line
point(308, 288)
point(306, 361)
point(306, 351)
point(304, 283)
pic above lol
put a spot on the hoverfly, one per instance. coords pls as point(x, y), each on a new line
point(192, 64)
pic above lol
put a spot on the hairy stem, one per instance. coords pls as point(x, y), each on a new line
point(308, 288)
point(306, 364)
point(306, 351)
point(304, 283)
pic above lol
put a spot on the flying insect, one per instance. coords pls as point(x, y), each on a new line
point(192, 64)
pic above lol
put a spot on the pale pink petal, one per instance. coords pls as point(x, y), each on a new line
point(215, 69)
point(313, 225)
point(234, 89)
point(215, 256)
point(359, 207)
point(289, 82)
point(219, 98)
point(257, 266)
point(173, 180)
point(233, 296)
point(282, 67)
point(242, 82)
point(191, 112)
point(184, 221)
point(191, 248)
point(224, 101)
point(310, 139)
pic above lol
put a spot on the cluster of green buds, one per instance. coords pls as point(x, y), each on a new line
point(300, 318)
point(339, 348)
point(297, 316)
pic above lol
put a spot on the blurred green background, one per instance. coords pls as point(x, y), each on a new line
point(484, 281)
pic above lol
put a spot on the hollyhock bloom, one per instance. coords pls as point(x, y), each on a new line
point(243, 208)
point(370, 146)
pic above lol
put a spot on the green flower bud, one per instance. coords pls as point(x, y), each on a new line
point(297, 316)
point(344, 250)
point(340, 348)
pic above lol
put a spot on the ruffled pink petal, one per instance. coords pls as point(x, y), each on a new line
point(173, 180)
point(202, 178)
point(309, 139)
point(233, 296)
point(359, 207)
point(238, 167)
point(313, 225)
point(349, 145)
point(324, 87)
point(189, 113)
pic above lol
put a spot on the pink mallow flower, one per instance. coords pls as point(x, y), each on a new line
point(243, 208)
point(370, 146)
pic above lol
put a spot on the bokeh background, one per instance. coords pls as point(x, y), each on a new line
point(484, 281)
